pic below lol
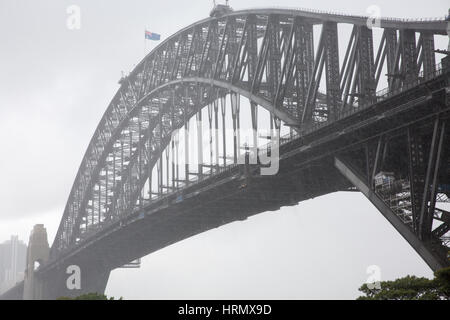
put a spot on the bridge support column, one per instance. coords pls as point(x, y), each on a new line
point(409, 55)
point(38, 252)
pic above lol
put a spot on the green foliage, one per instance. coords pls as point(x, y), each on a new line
point(90, 296)
point(411, 288)
point(443, 281)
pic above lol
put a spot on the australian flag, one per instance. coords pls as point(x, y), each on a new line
point(152, 36)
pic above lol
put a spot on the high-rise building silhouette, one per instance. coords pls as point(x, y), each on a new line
point(12, 262)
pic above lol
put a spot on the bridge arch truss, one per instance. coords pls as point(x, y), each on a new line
point(285, 61)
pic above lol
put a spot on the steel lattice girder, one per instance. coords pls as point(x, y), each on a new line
point(277, 72)
point(410, 202)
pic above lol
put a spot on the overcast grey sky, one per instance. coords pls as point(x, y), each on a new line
point(55, 85)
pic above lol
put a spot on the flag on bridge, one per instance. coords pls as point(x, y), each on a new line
point(152, 36)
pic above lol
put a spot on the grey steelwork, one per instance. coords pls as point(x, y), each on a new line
point(132, 197)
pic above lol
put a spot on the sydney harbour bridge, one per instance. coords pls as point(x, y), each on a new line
point(367, 112)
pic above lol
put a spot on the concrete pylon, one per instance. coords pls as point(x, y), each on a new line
point(38, 251)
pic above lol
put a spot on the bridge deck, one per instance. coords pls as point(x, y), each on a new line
point(307, 171)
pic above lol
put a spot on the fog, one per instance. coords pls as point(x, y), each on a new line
point(55, 85)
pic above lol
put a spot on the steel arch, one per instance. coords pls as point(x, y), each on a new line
point(225, 53)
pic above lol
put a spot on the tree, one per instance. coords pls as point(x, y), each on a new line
point(411, 288)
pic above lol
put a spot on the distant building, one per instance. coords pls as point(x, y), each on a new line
point(13, 255)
